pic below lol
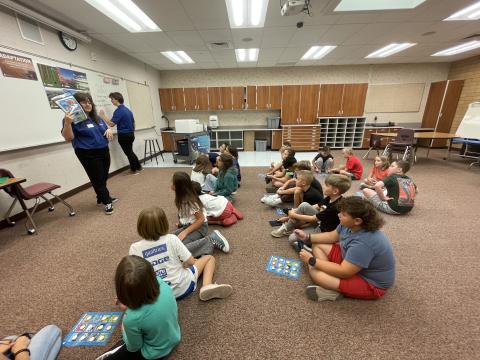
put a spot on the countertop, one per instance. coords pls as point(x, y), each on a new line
point(235, 128)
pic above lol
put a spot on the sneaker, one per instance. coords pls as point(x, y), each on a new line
point(273, 201)
point(219, 241)
point(132, 172)
point(109, 209)
point(281, 231)
point(318, 293)
point(215, 291)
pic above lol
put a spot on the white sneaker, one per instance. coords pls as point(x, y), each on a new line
point(281, 231)
point(215, 291)
point(219, 241)
point(273, 201)
point(318, 293)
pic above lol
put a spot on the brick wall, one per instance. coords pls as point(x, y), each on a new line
point(469, 70)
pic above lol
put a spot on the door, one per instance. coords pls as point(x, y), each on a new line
point(275, 98)
point(330, 103)
point(308, 104)
point(262, 97)
point(445, 120)
point(202, 98)
point(276, 139)
point(166, 99)
point(353, 102)
point(226, 98)
point(214, 97)
point(178, 99)
point(190, 99)
point(290, 103)
point(238, 95)
point(251, 103)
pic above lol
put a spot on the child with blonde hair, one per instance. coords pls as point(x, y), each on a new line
point(172, 261)
point(352, 168)
point(377, 173)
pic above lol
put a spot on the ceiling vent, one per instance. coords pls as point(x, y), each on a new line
point(219, 45)
point(29, 29)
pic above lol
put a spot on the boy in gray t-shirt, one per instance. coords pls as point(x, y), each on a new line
point(355, 260)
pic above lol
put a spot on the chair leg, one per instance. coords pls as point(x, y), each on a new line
point(368, 152)
point(7, 215)
point(51, 207)
point(70, 208)
point(33, 229)
point(145, 153)
point(161, 151)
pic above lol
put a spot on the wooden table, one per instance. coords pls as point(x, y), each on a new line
point(432, 135)
point(14, 184)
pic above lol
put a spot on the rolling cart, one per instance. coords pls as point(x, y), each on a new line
point(187, 146)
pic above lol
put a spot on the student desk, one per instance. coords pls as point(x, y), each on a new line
point(431, 135)
point(13, 182)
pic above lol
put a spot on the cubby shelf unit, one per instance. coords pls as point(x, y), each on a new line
point(340, 132)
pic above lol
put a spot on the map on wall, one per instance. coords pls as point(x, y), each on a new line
point(58, 81)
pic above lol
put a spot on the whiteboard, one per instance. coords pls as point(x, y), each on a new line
point(386, 98)
point(470, 125)
point(27, 119)
point(140, 105)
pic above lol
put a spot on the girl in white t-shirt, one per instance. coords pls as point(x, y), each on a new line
point(202, 168)
point(219, 210)
point(172, 261)
point(192, 227)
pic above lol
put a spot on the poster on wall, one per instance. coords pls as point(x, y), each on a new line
point(16, 66)
point(59, 81)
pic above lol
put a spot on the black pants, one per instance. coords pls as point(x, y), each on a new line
point(96, 163)
point(124, 354)
point(126, 142)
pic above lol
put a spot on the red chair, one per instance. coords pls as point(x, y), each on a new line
point(35, 191)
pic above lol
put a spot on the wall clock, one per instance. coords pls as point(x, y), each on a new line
point(69, 42)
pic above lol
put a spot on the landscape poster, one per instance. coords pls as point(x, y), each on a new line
point(16, 66)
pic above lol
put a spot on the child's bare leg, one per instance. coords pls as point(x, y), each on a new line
point(206, 266)
point(297, 197)
point(321, 251)
point(324, 280)
point(368, 193)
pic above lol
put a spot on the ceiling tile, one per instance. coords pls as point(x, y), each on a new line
point(240, 34)
point(337, 34)
point(308, 35)
point(167, 14)
point(277, 36)
point(216, 35)
point(187, 40)
point(207, 14)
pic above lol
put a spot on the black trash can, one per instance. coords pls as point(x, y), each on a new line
point(182, 147)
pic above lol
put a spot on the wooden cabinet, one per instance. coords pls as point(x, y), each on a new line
point(220, 98)
point(251, 101)
point(440, 108)
point(299, 104)
point(276, 97)
point(190, 99)
point(269, 97)
point(238, 97)
point(302, 137)
point(202, 98)
point(262, 97)
point(167, 141)
point(178, 99)
point(166, 100)
point(276, 140)
point(342, 99)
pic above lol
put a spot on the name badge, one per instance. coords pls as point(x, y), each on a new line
point(90, 125)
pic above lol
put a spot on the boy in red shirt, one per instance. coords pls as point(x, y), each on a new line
point(353, 167)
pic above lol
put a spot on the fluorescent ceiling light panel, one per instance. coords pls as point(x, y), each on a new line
point(459, 48)
point(390, 50)
point(317, 52)
point(246, 13)
point(471, 12)
point(368, 5)
point(178, 57)
point(126, 14)
point(246, 55)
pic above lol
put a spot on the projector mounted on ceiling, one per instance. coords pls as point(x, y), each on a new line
point(294, 7)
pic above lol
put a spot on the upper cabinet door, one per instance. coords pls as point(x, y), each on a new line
point(214, 98)
point(434, 103)
point(166, 99)
point(262, 97)
point(226, 98)
point(202, 98)
point(251, 103)
point(290, 104)
point(178, 99)
point(190, 99)
point(275, 97)
point(330, 100)
point(238, 96)
point(308, 104)
point(354, 99)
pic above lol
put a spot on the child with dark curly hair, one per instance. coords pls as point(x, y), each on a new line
point(355, 260)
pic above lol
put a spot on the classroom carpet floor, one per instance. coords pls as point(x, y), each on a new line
point(432, 312)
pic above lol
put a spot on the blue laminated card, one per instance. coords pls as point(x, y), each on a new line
point(284, 267)
point(93, 329)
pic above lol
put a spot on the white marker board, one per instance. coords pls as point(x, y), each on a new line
point(470, 125)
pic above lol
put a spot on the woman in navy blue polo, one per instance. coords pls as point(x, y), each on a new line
point(123, 119)
point(90, 140)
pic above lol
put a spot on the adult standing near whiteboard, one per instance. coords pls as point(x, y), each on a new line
point(90, 141)
point(125, 122)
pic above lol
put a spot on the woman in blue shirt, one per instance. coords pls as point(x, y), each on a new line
point(123, 119)
point(90, 141)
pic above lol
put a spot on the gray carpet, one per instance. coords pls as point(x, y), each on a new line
point(431, 313)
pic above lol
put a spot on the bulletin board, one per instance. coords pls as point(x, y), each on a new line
point(389, 98)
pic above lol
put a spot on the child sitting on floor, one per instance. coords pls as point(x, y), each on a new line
point(202, 168)
point(232, 150)
point(192, 227)
point(150, 327)
point(355, 260)
point(219, 210)
point(324, 213)
point(172, 261)
point(277, 169)
point(352, 168)
point(400, 190)
point(323, 161)
point(378, 172)
point(226, 183)
point(282, 176)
